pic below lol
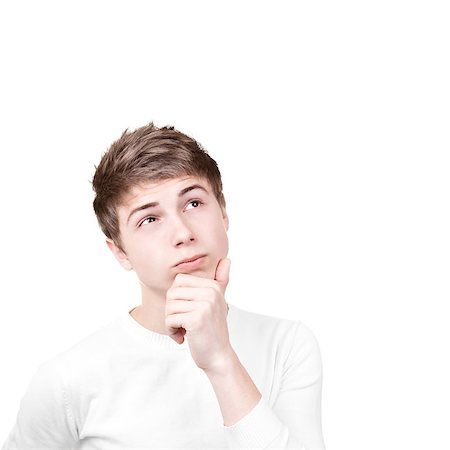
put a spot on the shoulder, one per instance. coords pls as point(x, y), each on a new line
point(292, 335)
point(275, 348)
point(80, 359)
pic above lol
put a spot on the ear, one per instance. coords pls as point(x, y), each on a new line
point(119, 254)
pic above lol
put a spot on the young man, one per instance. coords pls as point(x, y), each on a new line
point(183, 369)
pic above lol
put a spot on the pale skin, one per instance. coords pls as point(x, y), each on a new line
point(186, 299)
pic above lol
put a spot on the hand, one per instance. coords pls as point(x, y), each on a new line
point(196, 307)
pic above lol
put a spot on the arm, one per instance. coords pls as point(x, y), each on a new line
point(197, 306)
point(44, 419)
point(235, 391)
point(293, 421)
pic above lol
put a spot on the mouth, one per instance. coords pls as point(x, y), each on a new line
point(190, 262)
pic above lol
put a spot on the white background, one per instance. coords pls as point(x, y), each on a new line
point(330, 123)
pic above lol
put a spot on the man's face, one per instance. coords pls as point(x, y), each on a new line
point(163, 223)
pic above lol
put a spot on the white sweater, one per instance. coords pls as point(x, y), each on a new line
point(125, 387)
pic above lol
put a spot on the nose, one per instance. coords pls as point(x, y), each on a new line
point(182, 233)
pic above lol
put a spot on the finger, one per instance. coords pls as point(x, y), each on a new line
point(181, 293)
point(175, 321)
point(178, 337)
point(178, 306)
point(206, 294)
point(174, 326)
point(187, 280)
point(223, 273)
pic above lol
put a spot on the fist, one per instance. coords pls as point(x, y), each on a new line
point(196, 309)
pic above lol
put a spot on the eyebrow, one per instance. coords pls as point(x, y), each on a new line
point(154, 204)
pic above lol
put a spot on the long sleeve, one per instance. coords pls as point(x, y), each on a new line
point(293, 422)
point(44, 420)
point(127, 387)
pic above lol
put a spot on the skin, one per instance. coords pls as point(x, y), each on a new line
point(186, 300)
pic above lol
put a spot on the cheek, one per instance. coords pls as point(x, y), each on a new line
point(144, 257)
point(220, 239)
point(151, 266)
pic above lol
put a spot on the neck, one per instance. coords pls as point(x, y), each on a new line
point(151, 313)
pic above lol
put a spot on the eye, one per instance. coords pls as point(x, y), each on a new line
point(147, 220)
point(195, 203)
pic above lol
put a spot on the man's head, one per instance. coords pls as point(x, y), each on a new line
point(159, 201)
point(148, 154)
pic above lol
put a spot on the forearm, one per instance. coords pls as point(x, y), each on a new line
point(235, 391)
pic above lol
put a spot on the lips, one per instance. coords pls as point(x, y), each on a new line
point(189, 260)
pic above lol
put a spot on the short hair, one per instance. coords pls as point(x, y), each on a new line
point(147, 154)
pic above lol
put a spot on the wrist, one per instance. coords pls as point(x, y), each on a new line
point(223, 364)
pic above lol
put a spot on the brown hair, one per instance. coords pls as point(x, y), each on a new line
point(147, 154)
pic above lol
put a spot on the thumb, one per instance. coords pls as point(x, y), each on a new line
point(222, 275)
